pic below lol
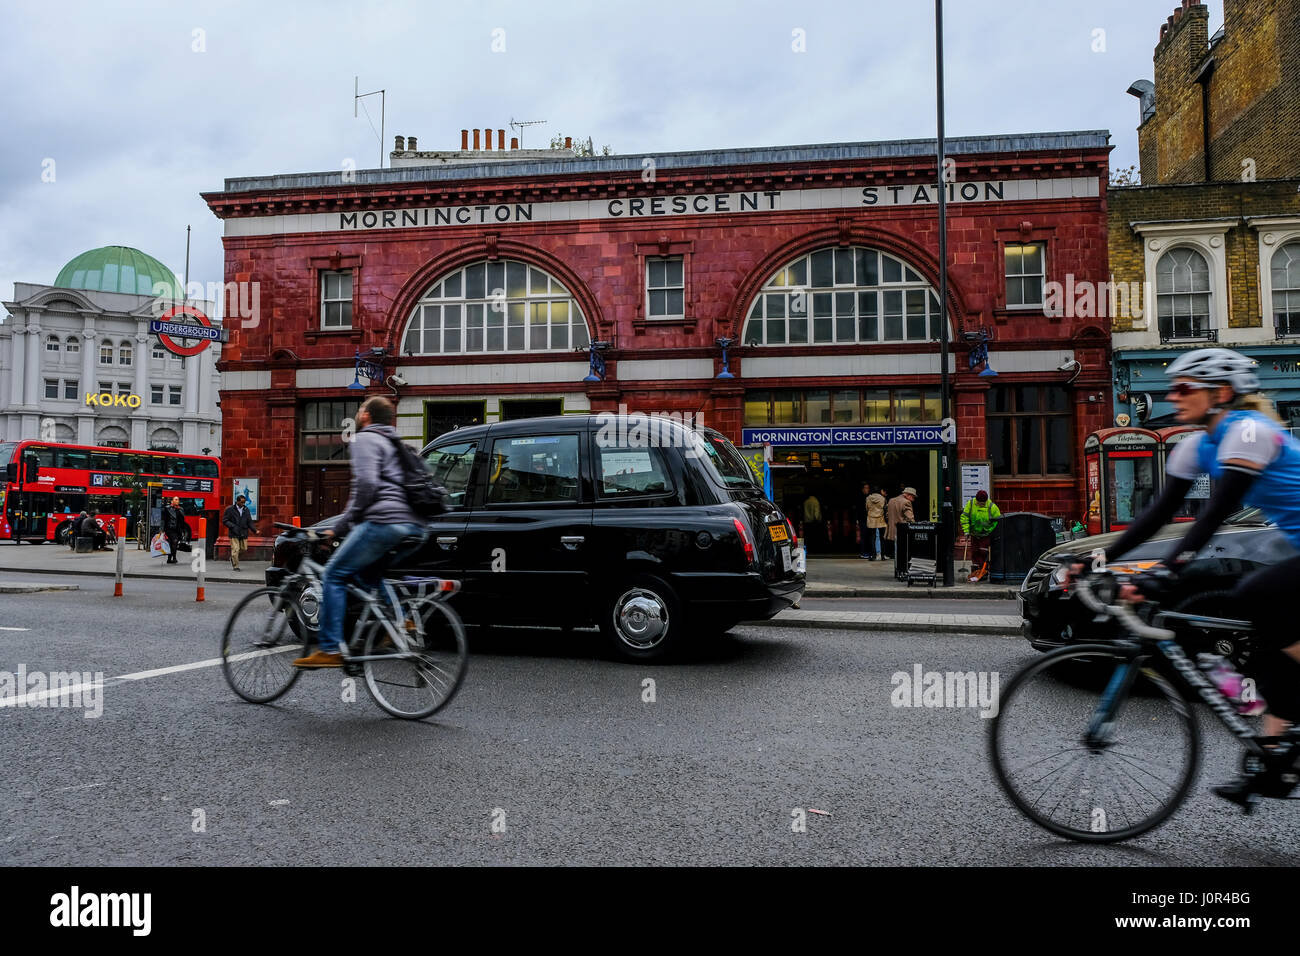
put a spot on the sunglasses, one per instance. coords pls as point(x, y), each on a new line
point(1183, 389)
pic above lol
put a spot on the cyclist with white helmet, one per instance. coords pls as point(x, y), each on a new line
point(1254, 462)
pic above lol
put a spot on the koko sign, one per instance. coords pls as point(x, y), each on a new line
point(109, 400)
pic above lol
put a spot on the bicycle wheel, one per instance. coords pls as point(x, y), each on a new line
point(423, 680)
point(258, 646)
point(1123, 785)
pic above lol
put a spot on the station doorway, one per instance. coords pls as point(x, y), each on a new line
point(820, 489)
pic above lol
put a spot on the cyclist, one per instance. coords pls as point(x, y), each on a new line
point(378, 516)
point(1254, 462)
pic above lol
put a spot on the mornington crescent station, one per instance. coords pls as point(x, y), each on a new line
point(786, 296)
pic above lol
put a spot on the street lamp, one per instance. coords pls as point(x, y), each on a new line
point(948, 506)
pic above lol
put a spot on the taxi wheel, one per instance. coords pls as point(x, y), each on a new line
point(642, 619)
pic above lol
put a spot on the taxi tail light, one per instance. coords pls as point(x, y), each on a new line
point(745, 540)
point(794, 538)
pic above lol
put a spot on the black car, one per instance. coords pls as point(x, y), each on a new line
point(1245, 543)
point(651, 530)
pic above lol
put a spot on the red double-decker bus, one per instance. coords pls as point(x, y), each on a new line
point(44, 485)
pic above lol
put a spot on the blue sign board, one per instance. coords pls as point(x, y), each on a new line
point(828, 435)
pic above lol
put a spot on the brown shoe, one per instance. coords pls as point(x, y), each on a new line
point(319, 659)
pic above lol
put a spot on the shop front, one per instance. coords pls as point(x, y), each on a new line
point(818, 473)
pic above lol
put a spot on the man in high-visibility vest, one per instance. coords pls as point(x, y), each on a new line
point(978, 519)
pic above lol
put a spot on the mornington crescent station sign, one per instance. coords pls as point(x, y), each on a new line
point(657, 207)
point(804, 437)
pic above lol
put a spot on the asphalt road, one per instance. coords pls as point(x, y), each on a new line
point(548, 740)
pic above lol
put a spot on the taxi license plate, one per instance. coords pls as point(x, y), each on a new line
point(778, 532)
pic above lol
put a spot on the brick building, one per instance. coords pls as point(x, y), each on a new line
point(483, 279)
point(1212, 237)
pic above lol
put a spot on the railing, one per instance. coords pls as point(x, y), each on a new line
point(1183, 330)
point(1286, 324)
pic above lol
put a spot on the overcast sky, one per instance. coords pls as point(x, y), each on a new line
point(142, 106)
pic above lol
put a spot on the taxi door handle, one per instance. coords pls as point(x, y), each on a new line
point(571, 541)
point(447, 542)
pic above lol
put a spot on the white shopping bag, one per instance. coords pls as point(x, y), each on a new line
point(159, 547)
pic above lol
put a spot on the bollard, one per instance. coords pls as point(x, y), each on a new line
point(121, 556)
point(203, 535)
point(297, 521)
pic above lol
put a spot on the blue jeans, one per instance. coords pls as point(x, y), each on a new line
point(367, 544)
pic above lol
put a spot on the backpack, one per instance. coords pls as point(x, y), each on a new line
point(427, 499)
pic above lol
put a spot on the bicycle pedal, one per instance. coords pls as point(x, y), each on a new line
point(352, 670)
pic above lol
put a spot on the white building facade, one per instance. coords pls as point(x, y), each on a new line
point(79, 366)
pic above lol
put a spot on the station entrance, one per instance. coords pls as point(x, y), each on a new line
point(820, 489)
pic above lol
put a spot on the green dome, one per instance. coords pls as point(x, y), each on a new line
point(118, 269)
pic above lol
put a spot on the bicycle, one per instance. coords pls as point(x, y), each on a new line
point(407, 638)
point(1141, 728)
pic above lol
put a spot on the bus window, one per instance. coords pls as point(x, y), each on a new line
point(43, 454)
point(105, 461)
point(106, 504)
point(202, 468)
point(73, 458)
point(180, 466)
point(7, 451)
point(192, 507)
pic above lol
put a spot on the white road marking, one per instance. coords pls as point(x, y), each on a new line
point(28, 700)
point(83, 786)
point(15, 628)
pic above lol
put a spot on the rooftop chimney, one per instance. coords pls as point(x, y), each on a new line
point(487, 137)
point(410, 143)
point(399, 144)
point(514, 142)
point(476, 136)
point(501, 139)
point(568, 142)
point(464, 139)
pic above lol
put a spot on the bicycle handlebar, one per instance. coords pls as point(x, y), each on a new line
point(1120, 612)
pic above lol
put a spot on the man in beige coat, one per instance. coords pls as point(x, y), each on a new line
point(874, 505)
point(898, 509)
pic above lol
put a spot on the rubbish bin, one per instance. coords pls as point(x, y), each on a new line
point(900, 551)
point(1019, 540)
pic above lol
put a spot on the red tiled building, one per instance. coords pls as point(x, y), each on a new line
point(483, 277)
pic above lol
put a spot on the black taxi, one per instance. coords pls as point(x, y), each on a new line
point(654, 531)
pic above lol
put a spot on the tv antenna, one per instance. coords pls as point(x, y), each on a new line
point(357, 97)
point(519, 125)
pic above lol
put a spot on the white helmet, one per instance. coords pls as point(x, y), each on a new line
point(1218, 366)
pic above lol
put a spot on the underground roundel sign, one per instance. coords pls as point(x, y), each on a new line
point(184, 322)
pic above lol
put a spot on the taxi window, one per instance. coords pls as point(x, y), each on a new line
point(451, 466)
point(625, 472)
point(725, 465)
point(534, 469)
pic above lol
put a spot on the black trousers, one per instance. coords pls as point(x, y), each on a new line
point(1265, 598)
point(173, 539)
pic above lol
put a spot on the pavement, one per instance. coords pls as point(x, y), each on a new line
point(828, 578)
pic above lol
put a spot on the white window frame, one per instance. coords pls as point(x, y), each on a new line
point(175, 390)
point(125, 354)
point(73, 386)
point(324, 275)
point(1274, 232)
point(157, 395)
point(1207, 238)
point(1042, 285)
point(111, 350)
point(157, 352)
point(651, 316)
point(72, 345)
point(56, 342)
point(57, 385)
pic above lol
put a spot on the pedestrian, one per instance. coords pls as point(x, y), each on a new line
point(239, 522)
point(875, 504)
point(814, 532)
point(89, 528)
point(979, 519)
point(173, 520)
point(74, 530)
point(898, 510)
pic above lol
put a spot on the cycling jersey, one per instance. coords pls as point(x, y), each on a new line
point(1249, 436)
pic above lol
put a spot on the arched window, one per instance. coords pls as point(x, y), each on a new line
point(501, 306)
point(164, 439)
point(1286, 289)
point(72, 345)
point(124, 354)
point(53, 344)
point(112, 436)
point(106, 354)
point(1183, 295)
point(64, 433)
point(843, 295)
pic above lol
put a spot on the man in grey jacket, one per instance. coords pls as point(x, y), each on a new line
point(377, 517)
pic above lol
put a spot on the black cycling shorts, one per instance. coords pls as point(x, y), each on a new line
point(1266, 599)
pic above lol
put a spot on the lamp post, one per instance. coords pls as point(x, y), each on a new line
point(948, 506)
